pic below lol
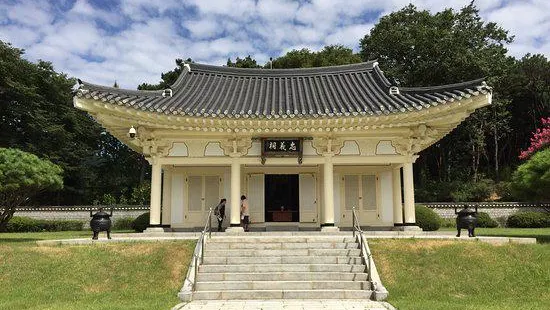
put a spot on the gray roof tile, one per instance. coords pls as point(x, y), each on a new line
point(212, 91)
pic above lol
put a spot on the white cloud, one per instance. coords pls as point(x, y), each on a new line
point(205, 28)
point(349, 35)
point(83, 9)
point(135, 40)
point(18, 36)
point(30, 13)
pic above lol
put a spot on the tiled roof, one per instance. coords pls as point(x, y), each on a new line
point(212, 91)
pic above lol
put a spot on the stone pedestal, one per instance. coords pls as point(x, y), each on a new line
point(330, 229)
point(235, 230)
point(153, 230)
point(407, 228)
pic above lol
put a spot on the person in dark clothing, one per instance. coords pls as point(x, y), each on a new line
point(220, 213)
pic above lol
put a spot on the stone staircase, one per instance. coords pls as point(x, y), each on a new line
point(282, 267)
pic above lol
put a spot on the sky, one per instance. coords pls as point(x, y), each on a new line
point(134, 41)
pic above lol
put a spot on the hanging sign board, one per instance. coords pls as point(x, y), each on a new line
point(282, 147)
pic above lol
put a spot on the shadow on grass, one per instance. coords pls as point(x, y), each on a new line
point(8, 240)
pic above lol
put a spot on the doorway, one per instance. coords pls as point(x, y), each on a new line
point(282, 202)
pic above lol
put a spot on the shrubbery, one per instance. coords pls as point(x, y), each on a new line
point(484, 220)
point(141, 222)
point(473, 191)
point(124, 223)
point(27, 224)
point(531, 180)
point(427, 219)
point(457, 191)
point(529, 220)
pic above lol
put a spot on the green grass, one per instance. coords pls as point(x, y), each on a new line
point(450, 274)
point(98, 276)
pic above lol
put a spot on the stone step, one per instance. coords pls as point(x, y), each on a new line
point(282, 276)
point(279, 239)
point(282, 294)
point(241, 260)
point(281, 285)
point(281, 245)
point(274, 253)
point(308, 267)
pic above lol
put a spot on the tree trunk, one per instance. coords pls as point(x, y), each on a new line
point(497, 177)
point(474, 170)
point(5, 217)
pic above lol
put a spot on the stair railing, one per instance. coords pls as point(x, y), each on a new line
point(198, 257)
point(379, 291)
point(358, 234)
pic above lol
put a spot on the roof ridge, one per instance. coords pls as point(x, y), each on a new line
point(479, 82)
point(361, 66)
point(119, 90)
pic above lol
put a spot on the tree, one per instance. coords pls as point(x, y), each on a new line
point(539, 140)
point(167, 78)
point(528, 87)
point(37, 116)
point(418, 48)
point(247, 62)
point(531, 180)
point(331, 55)
point(23, 176)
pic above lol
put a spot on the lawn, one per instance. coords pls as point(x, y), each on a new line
point(451, 274)
point(99, 276)
point(419, 273)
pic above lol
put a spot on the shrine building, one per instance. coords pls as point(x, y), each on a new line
point(304, 145)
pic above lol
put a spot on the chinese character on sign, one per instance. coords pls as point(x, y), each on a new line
point(272, 145)
point(292, 146)
point(282, 146)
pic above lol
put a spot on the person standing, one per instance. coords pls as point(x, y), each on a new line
point(245, 215)
point(219, 211)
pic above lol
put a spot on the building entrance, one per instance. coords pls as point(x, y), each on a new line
point(282, 202)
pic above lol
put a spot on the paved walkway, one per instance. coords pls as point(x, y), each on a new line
point(294, 304)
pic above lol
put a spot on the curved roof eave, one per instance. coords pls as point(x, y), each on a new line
point(280, 93)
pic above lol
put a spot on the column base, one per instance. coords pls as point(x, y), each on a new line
point(154, 229)
point(407, 227)
point(234, 230)
point(330, 229)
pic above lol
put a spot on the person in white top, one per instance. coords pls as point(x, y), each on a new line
point(245, 215)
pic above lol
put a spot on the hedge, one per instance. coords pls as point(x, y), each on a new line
point(529, 220)
point(427, 219)
point(141, 222)
point(484, 220)
point(124, 223)
point(27, 224)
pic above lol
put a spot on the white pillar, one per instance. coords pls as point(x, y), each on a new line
point(235, 220)
point(156, 179)
point(167, 197)
point(408, 194)
point(397, 204)
point(328, 191)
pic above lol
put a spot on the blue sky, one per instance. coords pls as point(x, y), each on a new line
point(134, 41)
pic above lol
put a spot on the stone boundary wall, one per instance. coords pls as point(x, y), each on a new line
point(445, 210)
point(79, 213)
point(494, 209)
